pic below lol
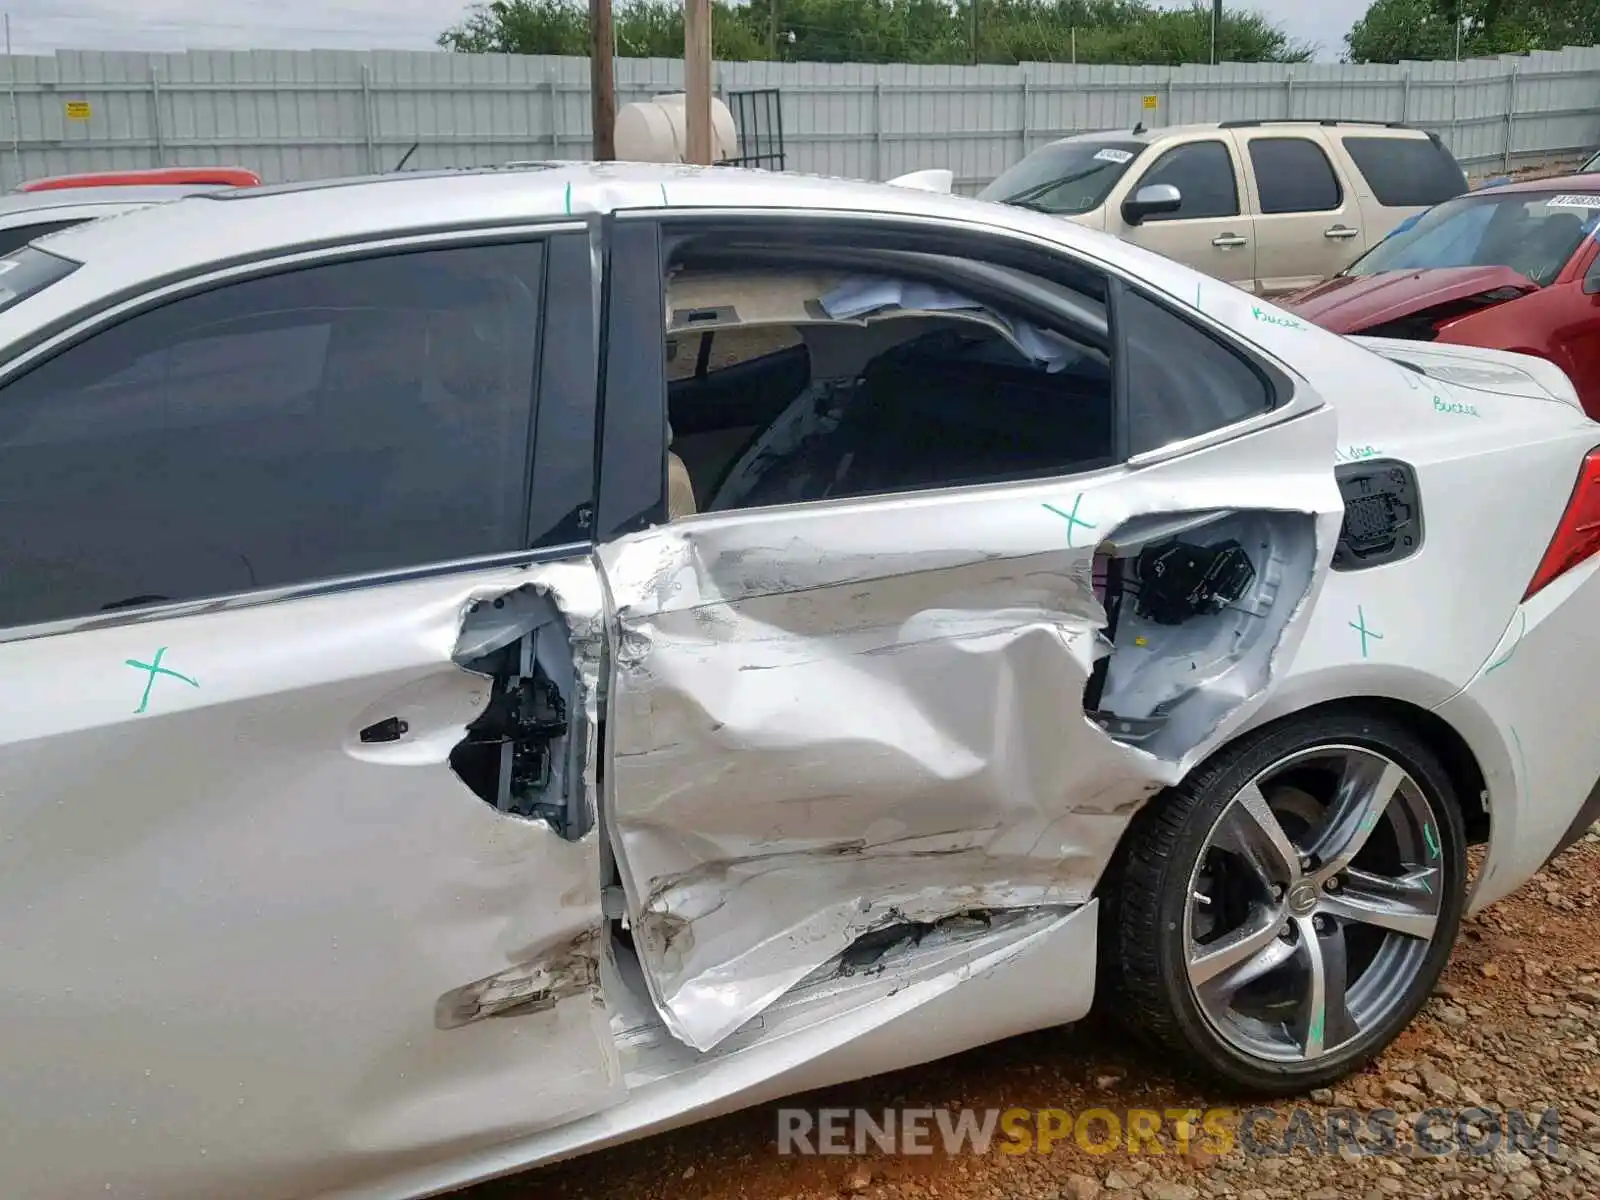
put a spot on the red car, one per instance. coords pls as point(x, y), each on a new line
point(222, 177)
point(1515, 268)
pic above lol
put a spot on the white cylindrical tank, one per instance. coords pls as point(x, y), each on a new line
point(656, 130)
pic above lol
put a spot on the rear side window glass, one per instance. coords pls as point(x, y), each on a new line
point(1293, 175)
point(20, 235)
point(29, 271)
point(1203, 174)
point(1181, 382)
point(342, 419)
point(1407, 172)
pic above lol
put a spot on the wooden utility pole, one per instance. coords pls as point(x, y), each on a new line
point(974, 36)
point(602, 80)
point(1216, 28)
point(697, 80)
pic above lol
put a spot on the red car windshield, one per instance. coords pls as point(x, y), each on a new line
point(1532, 233)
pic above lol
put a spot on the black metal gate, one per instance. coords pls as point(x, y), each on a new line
point(758, 116)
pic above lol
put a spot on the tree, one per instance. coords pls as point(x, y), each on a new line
point(1392, 30)
point(884, 31)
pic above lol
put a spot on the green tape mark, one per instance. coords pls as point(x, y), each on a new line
point(1369, 822)
point(1522, 628)
point(1426, 886)
point(1432, 838)
point(569, 199)
point(1071, 518)
point(664, 196)
point(1316, 1028)
point(155, 668)
point(1360, 626)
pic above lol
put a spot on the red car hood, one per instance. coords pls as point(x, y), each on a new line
point(1349, 303)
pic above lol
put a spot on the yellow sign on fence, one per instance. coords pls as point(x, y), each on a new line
point(79, 110)
point(1151, 103)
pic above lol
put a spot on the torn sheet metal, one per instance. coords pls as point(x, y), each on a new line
point(829, 720)
point(343, 962)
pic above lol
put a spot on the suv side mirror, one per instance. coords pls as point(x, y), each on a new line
point(1149, 200)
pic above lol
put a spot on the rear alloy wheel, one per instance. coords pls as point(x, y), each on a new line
point(1281, 915)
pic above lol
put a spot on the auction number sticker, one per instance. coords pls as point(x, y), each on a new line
point(1584, 202)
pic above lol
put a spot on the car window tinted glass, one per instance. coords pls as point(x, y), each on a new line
point(1066, 177)
point(1203, 174)
point(20, 235)
point(1181, 382)
point(1407, 172)
point(27, 272)
point(335, 420)
point(1535, 235)
point(1293, 175)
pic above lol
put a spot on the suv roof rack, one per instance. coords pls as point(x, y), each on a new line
point(1255, 121)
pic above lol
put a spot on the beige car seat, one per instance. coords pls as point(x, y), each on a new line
point(680, 488)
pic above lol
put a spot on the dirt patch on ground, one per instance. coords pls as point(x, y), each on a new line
point(1511, 1027)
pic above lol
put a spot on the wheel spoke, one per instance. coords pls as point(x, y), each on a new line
point(1324, 1018)
point(1251, 830)
point(1408, 905)
point(1364, 793)
point(1234, 948)
point(1219, 991)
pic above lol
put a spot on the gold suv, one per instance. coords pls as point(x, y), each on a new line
point(1270, 206)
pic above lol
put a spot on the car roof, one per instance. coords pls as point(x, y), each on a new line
point(76, 197)
point(250, 223)
point(151, 246)
point(1582, 184)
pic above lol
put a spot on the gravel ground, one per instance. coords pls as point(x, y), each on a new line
point(1512, 1026)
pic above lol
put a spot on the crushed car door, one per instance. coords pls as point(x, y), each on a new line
point(840, 716)
point(301, 888)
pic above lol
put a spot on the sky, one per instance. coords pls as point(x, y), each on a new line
point(42, 26)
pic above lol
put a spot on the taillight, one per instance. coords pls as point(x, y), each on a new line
point(1578, 534)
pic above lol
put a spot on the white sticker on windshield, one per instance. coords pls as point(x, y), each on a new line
point(1113, 155)
point(1584, 202)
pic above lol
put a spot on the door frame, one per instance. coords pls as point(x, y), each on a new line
point(561, 405)
point(557, 529)
point(633, 454)
point(635, 402)
point(1349, 204)
point(1243, 220)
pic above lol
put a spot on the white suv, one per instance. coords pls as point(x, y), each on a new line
point(1270, 206)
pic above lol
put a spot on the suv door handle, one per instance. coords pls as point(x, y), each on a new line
point(1340, 232)
point(1229, 241)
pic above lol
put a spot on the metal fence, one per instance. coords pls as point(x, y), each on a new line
point(307, 114)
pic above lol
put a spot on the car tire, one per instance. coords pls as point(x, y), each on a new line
point(1209, 955)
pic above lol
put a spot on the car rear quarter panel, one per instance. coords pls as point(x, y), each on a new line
point(1529, 717)
point(1494, 472)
